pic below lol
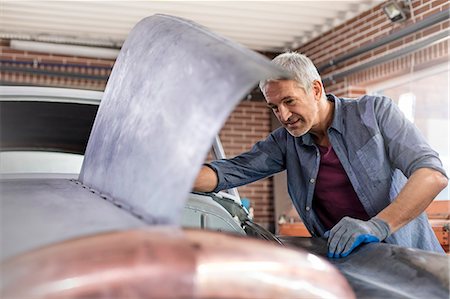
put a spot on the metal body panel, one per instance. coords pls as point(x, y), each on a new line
point(40, 209)
point(168, 263)
point(202, 212)
point(38, 212)
point(379, 270)
point(170, 91)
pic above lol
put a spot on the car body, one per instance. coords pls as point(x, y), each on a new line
point(45, 205)
point(45, 157)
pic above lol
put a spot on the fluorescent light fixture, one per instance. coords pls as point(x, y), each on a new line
point(394, 11)
point(65, 49)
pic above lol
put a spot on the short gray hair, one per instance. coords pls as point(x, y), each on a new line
point(300, 66)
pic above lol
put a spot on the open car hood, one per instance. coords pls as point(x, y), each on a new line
point(170, 91)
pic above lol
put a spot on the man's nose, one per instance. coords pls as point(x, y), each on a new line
point(284, 113)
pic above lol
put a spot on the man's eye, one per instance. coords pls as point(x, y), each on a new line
point(289, 102)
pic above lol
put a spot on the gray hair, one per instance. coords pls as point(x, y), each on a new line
point(300, 66)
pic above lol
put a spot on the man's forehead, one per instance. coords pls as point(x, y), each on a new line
point(279, 81)
point(281, 88)
point(283, 83)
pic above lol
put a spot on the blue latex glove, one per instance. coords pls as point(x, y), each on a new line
point(349, 233)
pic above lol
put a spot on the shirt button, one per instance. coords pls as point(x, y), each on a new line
point(312, 181)
point(308, 208)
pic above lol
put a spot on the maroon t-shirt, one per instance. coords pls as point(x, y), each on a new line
point(334, 196)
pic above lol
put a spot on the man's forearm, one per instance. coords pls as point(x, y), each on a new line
point(206, 180)
point(420, 190)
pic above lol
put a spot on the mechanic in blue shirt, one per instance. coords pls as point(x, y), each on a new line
point(358, 171)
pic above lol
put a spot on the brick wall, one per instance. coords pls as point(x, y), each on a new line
point(42, 69)
point(369, 27)
point(249, 123)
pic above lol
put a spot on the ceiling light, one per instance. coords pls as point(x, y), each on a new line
point(395, 11)
point(65, 49)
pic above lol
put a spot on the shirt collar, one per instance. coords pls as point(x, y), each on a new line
point(337, 123)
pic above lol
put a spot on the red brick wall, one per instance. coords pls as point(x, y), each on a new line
point(368, 28)
point(42, 69)
point(249, 123)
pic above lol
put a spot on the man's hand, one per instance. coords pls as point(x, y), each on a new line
point(349, 233)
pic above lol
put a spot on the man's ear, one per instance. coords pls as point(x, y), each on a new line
point(317, 89)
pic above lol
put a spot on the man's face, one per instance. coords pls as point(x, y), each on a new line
point(296, 109)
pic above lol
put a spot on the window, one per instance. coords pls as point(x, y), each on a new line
point(424, 99)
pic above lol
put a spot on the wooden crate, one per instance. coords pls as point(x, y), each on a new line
point(293, 229)
point(439, 216)
point(441, 229)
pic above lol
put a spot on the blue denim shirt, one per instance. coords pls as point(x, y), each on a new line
point(377, 146)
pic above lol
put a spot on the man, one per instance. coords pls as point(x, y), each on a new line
point(347, 164)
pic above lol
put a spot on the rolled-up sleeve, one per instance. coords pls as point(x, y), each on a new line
point(407, 148)
point(264, 159)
